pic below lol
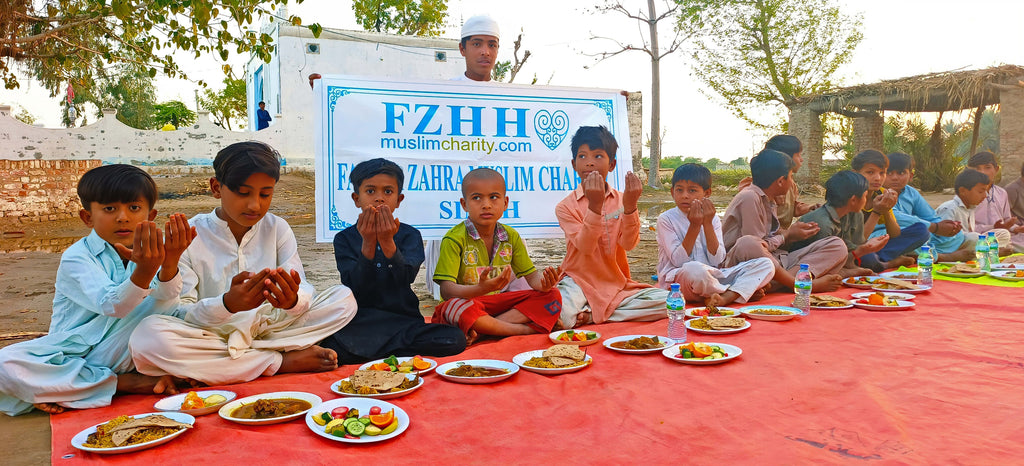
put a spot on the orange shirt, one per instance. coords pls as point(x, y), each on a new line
point(596, 250)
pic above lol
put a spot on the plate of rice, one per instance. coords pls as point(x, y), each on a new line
point(771, 313)
point(377, 384)
point(558, 359)
point(125, 434)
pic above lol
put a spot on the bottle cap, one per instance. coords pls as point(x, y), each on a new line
point(926, 248)
point(675, 287)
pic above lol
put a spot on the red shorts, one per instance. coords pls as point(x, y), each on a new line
point(542, 308)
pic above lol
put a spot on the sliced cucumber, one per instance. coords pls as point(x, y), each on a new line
point(355, 428)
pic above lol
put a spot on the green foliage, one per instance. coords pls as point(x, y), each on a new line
point(405, 17)
point(227, 104)
point(173, 112)
point(729, 177)
point(757, 54)
point(127, 88)
point(500, 70)
point(62, 40)
point(938, 158)
point(25, 116)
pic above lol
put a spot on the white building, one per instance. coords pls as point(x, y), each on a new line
point(283, 83)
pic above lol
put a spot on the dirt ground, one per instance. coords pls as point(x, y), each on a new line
point(32, 252)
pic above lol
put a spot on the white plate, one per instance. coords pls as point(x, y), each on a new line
point(665, 340)
point(78, 441)
point(849, 282)
point(735, 312)
point(959, 274)
point(1005, 275)
point(335, 387)
point(521, 358)
point(905, 276)
point(363, 405)
point(554, 338)
point(491, 363)
point(173, 403)
point(774, 318)
point(672, 351)
point(718, 332)
point(830, 308)
point(433, 364)
point(1007, 266)
point(903, 305)
point(888, 294)
point(225, 411)
point(920, 289)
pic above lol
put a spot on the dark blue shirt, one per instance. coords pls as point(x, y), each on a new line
point(381, 283)
point(262, 119)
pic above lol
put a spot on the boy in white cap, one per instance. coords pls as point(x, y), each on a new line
point(479, 45)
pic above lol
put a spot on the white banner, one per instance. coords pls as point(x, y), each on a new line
point(439, 130)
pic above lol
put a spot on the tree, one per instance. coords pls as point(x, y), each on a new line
point(127, 88)
point(61, 39)
point(173, 112)
point(405, 17)
point(510, 68)
point(226, 104)
point(25, 116)
point(649, 44)
point(758, 54)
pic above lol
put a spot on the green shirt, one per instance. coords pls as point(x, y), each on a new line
point(849, 227)
point(463, 254)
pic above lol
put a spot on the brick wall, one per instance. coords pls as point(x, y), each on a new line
point(40, 190)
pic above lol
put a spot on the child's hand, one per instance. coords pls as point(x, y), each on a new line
point(875, 244)
point(1006, 223)
point(178, 236)
point(886, 200)
point(282, 288)
point(801, 230)
point(147, 253)
point(497, 283)
point(631, 194)
point(550, 278)
point(367, 228)
point(708, 208)
point(387, 225)
point(246, 291)
point(947, 228)
point(593, 189)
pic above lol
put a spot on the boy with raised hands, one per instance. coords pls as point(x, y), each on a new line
point(378, 258)
point(124, 270)
point(479, 258)
point(600, 225)
point(248, 310)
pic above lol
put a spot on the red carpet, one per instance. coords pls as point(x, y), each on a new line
point(939, 384)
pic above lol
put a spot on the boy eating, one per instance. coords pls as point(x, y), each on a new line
point(248, 310)
point(880, 218)
point(478, 260)
point(600, 225)
point(971, 189)
point(751, 229)
point(105, 286)
point(994, 211)
point(378, 259)
point(690, 247)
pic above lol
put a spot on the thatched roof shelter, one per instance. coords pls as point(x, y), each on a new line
point(935, 92)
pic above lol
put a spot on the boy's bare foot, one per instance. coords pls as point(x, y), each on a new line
point(583, 318)
point(902, 261)
point(49, 408)
point(723, 299)
point(960, 255)
point(855, 272)
point(134, 382)
point(472, 337)
point(312, 359)
point(714, 300)
point(760, 293)
point(829, 282)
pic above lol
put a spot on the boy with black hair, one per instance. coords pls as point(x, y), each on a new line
point(946, 236)
point(478, 260)
point(751, 229)
point(787, 207)
point(600, 225)
point(378, 259)
point(690, 247)
point(124, 270)
point(880, 218)
point(1015, 195)
point(248, 310)
point(994, 211)
point(845, 195)
point(971, 189)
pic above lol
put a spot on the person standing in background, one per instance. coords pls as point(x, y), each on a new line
point(262, 117)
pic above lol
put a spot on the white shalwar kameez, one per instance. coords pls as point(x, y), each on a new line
point(216, 347)
point(95, 308)
point(697, 273)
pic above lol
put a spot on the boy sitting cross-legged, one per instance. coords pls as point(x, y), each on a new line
point(600, 225)
point(880, 217)
point(378, 258)
point(751, 230)
point(690, 247)
point(478, 260)
point(845, 195)
point(103, 290)
point(971, 189)
point(994, 211)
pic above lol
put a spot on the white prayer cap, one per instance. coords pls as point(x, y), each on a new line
point(480, 25)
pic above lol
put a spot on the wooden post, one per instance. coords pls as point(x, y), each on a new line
point(976, 130)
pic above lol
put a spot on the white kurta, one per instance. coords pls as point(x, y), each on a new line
point(217, 347)
point(95, 308)
point(955, 209)
point(697, 272)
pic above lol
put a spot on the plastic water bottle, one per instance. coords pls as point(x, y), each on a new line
point(676, 307)
point(981, 254)
point(924, 267)
point(993, 250)
point(802, 289)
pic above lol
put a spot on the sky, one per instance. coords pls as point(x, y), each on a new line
point(901, 38)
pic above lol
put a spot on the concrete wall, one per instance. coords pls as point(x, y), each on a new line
point(1011, 133)
point(40, 190)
